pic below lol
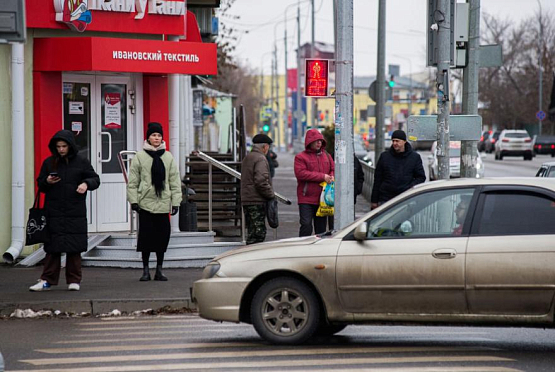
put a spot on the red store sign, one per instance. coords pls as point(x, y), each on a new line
point(124, 55)
point(118, 16)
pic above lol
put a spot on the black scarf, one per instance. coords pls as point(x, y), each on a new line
point(158, 171)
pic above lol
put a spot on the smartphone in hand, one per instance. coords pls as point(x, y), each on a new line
point(53, 174)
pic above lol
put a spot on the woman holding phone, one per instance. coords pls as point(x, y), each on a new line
point(154, 191)
point(65, 177)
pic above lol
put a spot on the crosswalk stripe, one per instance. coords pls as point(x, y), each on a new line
point(232, 354)
point(236, 326)
point(423, 369)
point(269, 364)
point(185, 331)
point(182, 336)
point(191, 316)
point(190, 345)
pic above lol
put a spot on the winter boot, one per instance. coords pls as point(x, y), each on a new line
point(146, 274)
point(159, 275)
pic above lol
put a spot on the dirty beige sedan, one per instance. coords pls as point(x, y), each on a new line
point(452, 252)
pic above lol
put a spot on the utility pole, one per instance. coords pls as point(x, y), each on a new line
point(314, 106)
point(272, 92)
point(442, 19)
point(380, 85)
point(276, 126)
point(541, 72)
point(299, 111)
point(469, 149)
point(344, 167)
point(286, 85)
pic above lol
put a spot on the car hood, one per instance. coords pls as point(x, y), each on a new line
point(276, 244)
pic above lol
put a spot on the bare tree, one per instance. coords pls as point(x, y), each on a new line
point(510, 92)
point(233, 77)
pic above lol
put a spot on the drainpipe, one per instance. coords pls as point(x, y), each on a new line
point(18, 154)
point(173, 87)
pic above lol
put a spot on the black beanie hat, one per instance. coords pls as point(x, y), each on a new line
point(399, 134)
point(154, 128)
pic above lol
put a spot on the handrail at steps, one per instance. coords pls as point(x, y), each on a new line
point(234, 173)
point(121, 160)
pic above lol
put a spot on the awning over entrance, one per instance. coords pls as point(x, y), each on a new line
point(124, 55)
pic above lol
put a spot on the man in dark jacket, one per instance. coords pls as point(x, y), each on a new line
point(312, 167)
point(398, 169)
point(65, 177)
point(256, 188)
point(359, 178)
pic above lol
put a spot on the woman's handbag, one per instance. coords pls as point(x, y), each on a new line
point(272, 213)
point(37, 224)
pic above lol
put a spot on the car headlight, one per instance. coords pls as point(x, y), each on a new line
point(210, 270)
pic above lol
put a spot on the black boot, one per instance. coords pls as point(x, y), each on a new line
point(146, 274)
point(159, 275)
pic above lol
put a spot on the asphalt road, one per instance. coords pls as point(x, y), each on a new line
point(185, 342)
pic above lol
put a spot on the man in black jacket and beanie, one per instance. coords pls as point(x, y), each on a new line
point(398, 169)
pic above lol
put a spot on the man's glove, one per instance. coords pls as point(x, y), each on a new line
point(175, 210)
point(135, 207)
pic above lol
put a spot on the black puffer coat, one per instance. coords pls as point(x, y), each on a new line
point(396, 173)
point(67, 208)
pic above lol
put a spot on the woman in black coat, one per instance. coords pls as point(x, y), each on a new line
point(65, 178)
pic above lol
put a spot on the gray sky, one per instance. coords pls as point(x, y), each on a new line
point(262, 21)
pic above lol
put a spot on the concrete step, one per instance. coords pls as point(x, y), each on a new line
point(129, 252)
point(137, 263)
point(180, 238)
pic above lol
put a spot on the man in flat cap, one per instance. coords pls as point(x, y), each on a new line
point(399, 168)
point(256, 188)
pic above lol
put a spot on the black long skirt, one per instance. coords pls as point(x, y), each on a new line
point(154, 232)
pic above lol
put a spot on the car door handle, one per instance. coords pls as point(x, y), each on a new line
point(444, 253)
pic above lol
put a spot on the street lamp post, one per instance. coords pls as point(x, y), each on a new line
point(540, 54)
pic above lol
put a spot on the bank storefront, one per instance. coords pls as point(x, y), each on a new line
point(102, 69)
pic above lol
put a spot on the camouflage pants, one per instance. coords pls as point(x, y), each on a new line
point(255, 216)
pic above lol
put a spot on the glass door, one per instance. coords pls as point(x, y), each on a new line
point(114, 135)
point(79, 118)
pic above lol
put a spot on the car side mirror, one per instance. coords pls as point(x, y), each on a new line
point(361, 232)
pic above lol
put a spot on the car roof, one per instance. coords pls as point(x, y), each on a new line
point(549, 164)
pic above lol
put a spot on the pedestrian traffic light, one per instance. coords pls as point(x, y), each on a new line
point(316, 82)
point(266, 128)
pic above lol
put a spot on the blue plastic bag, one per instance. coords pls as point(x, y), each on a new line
point(329, 194)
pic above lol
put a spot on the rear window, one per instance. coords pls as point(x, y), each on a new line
point(517, 213)
point(517, 135)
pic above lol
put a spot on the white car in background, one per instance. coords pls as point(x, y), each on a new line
point(514, 142)
point(454, 162)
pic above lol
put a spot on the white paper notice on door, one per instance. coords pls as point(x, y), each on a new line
point(112, 110)
point(76, 108)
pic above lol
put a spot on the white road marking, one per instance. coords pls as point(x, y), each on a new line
point(269, 364)
point(100, 349)
point(231, 354)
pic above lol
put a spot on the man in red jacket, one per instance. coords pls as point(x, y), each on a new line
point(312, 167)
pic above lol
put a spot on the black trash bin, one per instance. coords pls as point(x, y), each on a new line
point(188, 213)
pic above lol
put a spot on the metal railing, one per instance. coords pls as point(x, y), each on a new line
point(232, 172)
point(121, 160)
point(368, 180)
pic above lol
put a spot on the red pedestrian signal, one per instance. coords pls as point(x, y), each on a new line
point(316, 82)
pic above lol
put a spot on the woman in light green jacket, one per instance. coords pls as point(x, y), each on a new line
point(154, 190)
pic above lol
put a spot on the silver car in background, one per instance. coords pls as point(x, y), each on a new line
point(514, 142)
point(547, 170)
point(454, 162)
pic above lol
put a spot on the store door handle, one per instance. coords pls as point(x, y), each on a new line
point(109, 147)
point(444, 253)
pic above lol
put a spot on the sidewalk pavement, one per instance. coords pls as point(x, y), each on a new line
point(106, 289)
point(102, 291)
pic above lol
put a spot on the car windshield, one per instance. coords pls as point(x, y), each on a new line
point(516, 135)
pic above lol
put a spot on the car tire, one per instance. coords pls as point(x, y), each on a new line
point(326, 330)
point(500, 157)
point(496, 156)
point(285, 321)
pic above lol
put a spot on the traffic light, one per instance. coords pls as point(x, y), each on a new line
point(266, 128)
point(391, 82)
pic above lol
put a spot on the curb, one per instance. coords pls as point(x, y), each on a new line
point(98, 307)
